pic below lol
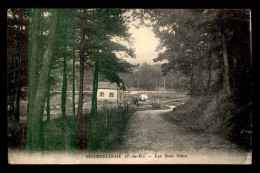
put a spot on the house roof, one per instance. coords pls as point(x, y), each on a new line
point(107, 85)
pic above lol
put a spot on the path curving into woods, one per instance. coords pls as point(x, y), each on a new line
point(148, 132)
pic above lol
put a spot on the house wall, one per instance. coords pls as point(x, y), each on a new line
point(106, 95)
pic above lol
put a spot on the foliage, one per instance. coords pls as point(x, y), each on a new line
point(107, 127)
point(60, 133)
point(104, 25)
point(17, 27)
point(192, 43)
point(151, 78)
point(216, 114)
point(40, 65)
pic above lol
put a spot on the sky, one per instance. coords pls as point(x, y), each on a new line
point(144, 43)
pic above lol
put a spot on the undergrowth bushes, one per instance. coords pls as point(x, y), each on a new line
point(104, 134)
point(60, 133)
point(218, 114)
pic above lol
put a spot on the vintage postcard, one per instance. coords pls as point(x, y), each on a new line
point(129, 86)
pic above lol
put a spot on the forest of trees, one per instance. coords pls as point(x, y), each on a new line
point(213, 49)
point(55, 40)
point(206, 51)
point(210, 47)
point(17, 28)
point(151, 78)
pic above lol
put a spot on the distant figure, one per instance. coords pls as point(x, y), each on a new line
point(143, 97)
point(135, 101)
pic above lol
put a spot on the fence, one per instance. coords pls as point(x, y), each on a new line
point(106, 126)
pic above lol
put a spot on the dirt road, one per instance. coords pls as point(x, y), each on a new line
point(147, 133)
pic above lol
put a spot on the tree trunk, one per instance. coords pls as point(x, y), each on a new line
point(34, 26)
point(82, 131)
point(64, 87)
point(64, 80)
point(93, 111)
point(73, 85)
point(48, 110)
point(18, 81)
point(94, 92)
point(36, 103)
point(12, 109)
point(226, 67)
point(81, 120)
point(18, 102)
point(13, 112)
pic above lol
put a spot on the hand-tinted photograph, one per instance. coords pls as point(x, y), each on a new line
point(129, 86)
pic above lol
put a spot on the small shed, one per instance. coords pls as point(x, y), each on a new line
point(109, 92)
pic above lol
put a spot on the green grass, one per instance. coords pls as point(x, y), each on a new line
point(60, 133)
point(106, 130)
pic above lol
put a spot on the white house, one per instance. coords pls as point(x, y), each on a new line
point(109, 92)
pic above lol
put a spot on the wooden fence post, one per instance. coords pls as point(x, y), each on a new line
point(110, 119)
point(117, 118)
point(106, 121)
point(122, 112)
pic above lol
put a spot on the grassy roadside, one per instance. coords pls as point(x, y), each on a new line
point(60, 134)
point(106, 129)
point(216, 114)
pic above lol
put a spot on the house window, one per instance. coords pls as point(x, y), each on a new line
point(111, 94)
point(102, 94)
